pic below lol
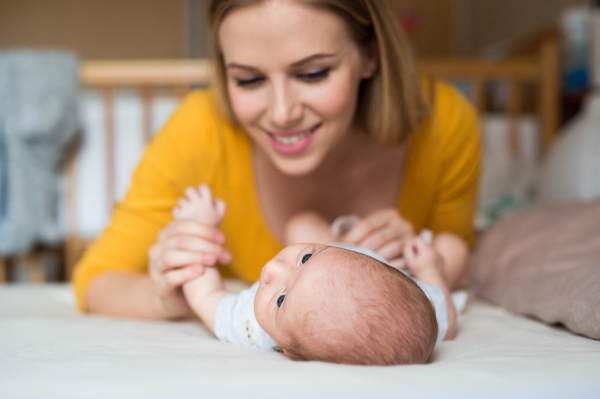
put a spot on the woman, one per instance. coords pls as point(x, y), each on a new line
point(321, 110)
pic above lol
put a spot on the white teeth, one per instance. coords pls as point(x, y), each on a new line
point(292, 139)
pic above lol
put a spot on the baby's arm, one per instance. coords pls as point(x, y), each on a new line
point(205, 292)
point(427, 265)
point(455, 253)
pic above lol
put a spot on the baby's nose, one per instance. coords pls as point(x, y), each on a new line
point(271, 271)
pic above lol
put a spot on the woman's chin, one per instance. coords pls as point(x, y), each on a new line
point(296, 167)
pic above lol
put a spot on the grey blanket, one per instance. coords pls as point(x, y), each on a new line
point(38, 116)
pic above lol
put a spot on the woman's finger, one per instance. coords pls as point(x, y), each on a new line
point(175, 259)
point(398, 263)
point(192, 244)
point(379, 230)
point(187, 227)
point(367, 226)
point(177, 277)
point(391, 249)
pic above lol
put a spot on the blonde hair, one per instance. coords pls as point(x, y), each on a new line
point(391, 104)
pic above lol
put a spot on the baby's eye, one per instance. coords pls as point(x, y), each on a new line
point(306, 258)
point(280, 300)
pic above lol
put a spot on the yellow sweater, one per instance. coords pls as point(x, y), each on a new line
point(198, 146)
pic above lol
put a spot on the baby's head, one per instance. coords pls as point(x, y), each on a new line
point(326, 303)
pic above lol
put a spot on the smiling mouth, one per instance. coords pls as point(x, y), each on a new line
point(293, 139)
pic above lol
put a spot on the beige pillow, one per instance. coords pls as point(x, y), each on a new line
point(544, 263)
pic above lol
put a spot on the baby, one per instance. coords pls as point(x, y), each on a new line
point(324, 302)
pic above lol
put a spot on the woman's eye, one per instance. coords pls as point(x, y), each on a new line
point(280, 300)
point(306, 258)
point(313, 77)
point(248, 82)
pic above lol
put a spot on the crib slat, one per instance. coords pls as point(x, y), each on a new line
point(146, 93)
point(478, 92)
point(514, 113)
point(108, 96)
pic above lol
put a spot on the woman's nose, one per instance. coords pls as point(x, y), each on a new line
point(286, 110)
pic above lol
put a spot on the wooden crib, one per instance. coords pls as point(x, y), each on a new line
point(538, 69)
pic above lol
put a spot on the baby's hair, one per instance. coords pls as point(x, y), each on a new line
point(367, 313)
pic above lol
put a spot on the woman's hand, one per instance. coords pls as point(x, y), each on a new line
point(384, 231)
point(182, 251)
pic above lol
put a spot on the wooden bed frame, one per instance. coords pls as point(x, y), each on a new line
point(539, 69)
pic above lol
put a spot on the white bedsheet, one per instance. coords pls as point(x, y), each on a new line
point(49, 350)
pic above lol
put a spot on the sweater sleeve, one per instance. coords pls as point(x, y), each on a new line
point(179, 155)
point(459, 153)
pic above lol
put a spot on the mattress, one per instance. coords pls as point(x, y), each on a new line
point(48, 349)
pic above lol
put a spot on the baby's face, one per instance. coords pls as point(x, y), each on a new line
point(289, 282)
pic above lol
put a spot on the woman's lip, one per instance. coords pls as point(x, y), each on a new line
point(291, 133)
point(292, 143)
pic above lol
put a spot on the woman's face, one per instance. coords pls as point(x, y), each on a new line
point(293, 74)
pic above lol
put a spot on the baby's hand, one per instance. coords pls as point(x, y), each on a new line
point(200, 205)
point(421, 258)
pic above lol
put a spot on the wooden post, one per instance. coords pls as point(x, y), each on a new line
point(550, 90)
point(478, 91)
point(3, 270)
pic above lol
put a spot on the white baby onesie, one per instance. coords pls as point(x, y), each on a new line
point(236, 323)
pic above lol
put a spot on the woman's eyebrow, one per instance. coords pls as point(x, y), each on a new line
point(296, 64)
point(244, 67)
point(311, 58)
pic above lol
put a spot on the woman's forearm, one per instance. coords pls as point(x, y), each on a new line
point(130, 295)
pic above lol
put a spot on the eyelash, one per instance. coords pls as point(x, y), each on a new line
point(311, 77)
point(314, 77)
point(305, 258)
point(280, 300)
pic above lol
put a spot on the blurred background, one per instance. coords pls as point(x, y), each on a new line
point(133, 29)
point(527, 65)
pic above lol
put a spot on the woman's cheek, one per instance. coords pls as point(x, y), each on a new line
point(337, 99)
point(245, 104)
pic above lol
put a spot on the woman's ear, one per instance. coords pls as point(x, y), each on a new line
point(370, 60)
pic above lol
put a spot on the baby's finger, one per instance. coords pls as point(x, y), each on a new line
point(182, 202)
point(177, 212)
point(221, 207)
point(205, 192)
point(192, 194)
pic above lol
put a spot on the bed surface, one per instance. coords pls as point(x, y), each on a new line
point(48, 349)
